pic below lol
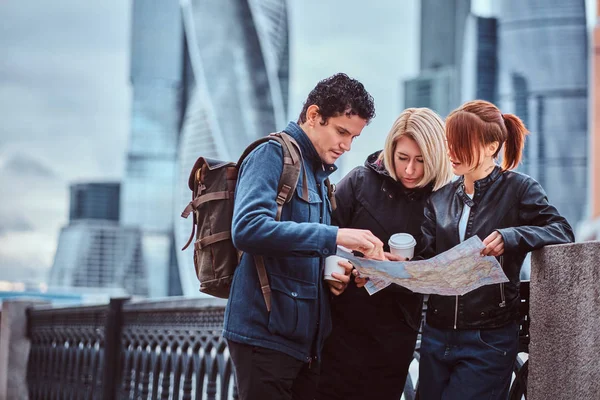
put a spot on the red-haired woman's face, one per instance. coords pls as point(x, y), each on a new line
point(482, 158)
point(408, 162)
point(460, 168)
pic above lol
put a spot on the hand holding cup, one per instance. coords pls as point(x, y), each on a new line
point(402, 245)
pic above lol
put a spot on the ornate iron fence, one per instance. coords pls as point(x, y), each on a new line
point(66, 359)
point(155, 350)
point(174, 351)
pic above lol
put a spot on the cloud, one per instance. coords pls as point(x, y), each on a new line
point(65, 101)
point(376, 45)
point(22, 164)
point(64, 83)
point(14, 223)
point(28, 268)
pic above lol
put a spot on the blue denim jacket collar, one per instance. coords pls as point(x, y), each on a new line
point(308, 149)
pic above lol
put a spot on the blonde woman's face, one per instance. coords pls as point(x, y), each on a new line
point(408, 162)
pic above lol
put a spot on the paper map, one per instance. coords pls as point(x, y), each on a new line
point(454, 272)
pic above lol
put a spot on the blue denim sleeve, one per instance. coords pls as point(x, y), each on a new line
point(255, 230)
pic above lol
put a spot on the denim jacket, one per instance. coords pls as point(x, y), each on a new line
point(293, 249)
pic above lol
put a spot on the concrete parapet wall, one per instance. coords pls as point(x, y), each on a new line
point(564, 353)
point(14, 348)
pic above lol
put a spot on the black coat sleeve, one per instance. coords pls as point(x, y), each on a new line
point(426, 246)
point(541, 224)
point(346, 199)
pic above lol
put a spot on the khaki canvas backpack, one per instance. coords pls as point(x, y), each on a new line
point(213, 183)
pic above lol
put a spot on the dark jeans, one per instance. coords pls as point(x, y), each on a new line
point(467, 364)
point(269, 374)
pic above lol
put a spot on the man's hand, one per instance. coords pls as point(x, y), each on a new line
point(360, 240)
point(360, 282)
point(394, 257)
point(338, 288)
point(494, 245)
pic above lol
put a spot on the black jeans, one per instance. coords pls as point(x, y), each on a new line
point(269, 374)
point(357, 367)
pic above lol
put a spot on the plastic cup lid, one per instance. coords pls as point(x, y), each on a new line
point(402, 241)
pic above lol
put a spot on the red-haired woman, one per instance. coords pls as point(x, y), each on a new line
point(469, 342)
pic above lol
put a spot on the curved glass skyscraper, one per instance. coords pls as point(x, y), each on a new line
point(544, 80)
point(235, 83)
point(147, 189)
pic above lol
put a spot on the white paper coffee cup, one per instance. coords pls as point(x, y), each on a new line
point(331, 265)
point(403, 245)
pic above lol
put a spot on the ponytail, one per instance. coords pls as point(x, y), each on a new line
point(515, 141)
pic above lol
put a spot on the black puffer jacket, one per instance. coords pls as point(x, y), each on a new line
point(508, 202)
point(368, 198)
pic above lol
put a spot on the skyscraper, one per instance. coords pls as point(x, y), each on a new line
point(590, 228)
point(98, 200)
point(469, 73)
point(99, 254)
point(93, 250)
point(442, 32)
point(148, 186)
point(544, 80)
point(479, 64)
point(595, 132)
point(438, 84)
point(235, 88)
point(435, 89)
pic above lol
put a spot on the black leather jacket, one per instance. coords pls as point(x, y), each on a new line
point(511, 203)
point(368, 198)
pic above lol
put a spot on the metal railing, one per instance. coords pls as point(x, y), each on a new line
point(155, 350)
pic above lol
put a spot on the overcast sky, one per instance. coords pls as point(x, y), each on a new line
point(65, 105)
point(65, 98)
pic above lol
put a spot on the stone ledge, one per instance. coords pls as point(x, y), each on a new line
point(565, 322)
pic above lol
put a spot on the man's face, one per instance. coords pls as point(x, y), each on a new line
point(335, 137)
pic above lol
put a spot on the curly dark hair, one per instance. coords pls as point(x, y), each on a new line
point(337, 95)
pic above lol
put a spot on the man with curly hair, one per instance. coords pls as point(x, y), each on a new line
point(276, 353)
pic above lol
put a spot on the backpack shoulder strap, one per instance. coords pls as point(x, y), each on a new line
point(331, 194)
point(251, 148)
point(292, 165)
point(288, 180)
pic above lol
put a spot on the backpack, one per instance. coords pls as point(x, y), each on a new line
point(213, 183)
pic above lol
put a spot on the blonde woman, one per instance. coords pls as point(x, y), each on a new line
point(368, 357)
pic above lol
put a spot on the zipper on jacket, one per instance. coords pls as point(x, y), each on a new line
point(456, 313)
point(502, 297)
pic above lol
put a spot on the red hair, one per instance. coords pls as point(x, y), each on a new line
point(478, 123)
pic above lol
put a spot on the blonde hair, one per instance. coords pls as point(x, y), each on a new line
point(426, 128)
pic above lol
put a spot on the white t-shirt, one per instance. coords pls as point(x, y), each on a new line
point(462, 224)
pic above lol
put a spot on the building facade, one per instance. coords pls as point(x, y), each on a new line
point(544, 80)
point(94, 251)
point(589, 229)
point(438, 85)
point(479, 64)
point(99, 254)
point(235, 90)
point(147, 197)
point(95, 201)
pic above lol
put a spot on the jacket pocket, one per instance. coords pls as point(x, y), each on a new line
point(307, 209)
point(293, 308)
